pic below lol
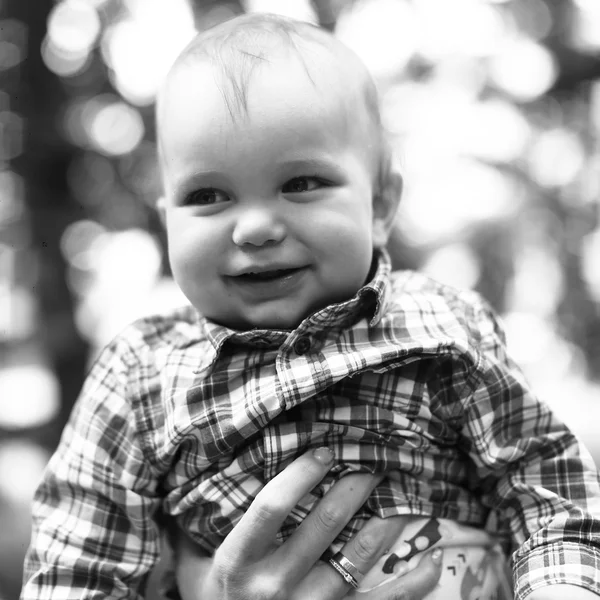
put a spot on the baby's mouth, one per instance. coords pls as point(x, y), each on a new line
point(266, 275)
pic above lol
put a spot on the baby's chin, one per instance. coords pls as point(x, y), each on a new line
point(267, 319)
point(279, 323)
point(280, 314)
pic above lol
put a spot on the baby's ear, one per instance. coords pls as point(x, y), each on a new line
point(385, 207)
point(162, 210)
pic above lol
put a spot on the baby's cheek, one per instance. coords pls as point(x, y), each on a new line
point(191, 269)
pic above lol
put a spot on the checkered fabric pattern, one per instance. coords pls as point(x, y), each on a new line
point(183, 418)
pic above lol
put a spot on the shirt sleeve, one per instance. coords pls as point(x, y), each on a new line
point(532, 470)
point(94, 533)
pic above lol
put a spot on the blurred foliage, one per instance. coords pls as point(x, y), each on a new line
point(493, 109)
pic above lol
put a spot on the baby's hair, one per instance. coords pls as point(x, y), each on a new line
point(235, 48)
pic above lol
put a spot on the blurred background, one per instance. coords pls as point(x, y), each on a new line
point(493, 109)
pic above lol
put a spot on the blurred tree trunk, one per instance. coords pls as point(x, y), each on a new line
point(43, 166)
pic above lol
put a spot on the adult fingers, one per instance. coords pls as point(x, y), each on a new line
point(415, 585)
point(363, 550)
point(252, 538)
point(323, 524)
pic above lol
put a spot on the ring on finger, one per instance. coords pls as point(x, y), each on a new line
point(347, 569)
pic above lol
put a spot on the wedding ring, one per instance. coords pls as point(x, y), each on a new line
point(346, 569)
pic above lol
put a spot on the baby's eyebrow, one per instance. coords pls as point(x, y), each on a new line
point(308, 163)
point(185, 179)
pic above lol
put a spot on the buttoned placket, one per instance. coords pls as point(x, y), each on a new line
point(299, 377)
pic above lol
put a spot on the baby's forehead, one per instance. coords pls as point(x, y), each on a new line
point(239, 49)
point(282, 98)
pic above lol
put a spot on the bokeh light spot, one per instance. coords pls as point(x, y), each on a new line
point(21, 466)
point(590, 265)
point(13, 42)
point(18, 306)
point(454, 264)
point(73, 26)
point(532, 338)
point(115, 128)
point(496, 131)
point(29, 396)
point(11, 135)
point(460, 27)
point(556, 157)
point(524, 69)
point(10, 55)
point(64, 64)
point(12, 201)
point(538, 283)
point(296, 9)
point(381, 32)
point(462, 194)
point(585, 32)
point(77, 241)
point(126, 267)
point(141, 48)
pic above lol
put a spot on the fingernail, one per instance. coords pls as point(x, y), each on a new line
point(324, 455)
point(436, 556)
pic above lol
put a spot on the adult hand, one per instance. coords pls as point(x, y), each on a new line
point(249, 564)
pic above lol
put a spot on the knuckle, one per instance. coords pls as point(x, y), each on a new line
point(330, 517)
point(366, 546)
point(267, 509)
point(311, 470)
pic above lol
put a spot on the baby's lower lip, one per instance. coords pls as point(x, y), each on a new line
point(270, 284)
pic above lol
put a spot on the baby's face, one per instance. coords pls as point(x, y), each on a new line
point(269, 215)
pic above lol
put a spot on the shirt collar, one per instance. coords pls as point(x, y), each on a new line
point(379, 286)
point(370, 302)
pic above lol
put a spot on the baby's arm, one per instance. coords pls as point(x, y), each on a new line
point(563, 591)
point(534, 473)
point(93, 529)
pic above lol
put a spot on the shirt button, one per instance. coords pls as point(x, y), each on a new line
point(302, 345)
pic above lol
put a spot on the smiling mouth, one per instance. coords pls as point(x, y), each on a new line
point(267, 275)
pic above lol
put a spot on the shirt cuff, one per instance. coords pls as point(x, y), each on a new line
point(564, 562)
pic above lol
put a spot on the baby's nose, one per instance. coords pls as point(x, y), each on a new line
point(258, 226)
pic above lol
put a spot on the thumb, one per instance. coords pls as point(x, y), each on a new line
point(416, 584)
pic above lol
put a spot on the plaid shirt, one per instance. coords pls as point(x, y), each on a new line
point(182, 417)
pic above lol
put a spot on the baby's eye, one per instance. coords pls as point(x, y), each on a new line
point(297, 185)
point(206, 196)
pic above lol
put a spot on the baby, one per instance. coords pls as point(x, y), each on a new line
point(279, 198)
